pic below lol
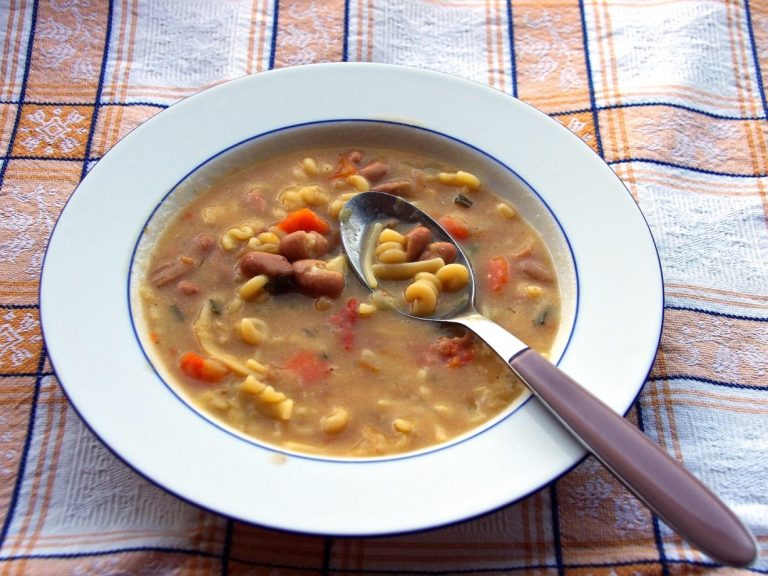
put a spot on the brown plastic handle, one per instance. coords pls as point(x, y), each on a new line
point(667, 488)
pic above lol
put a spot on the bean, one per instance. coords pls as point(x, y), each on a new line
point(272, 265)
point(444, 250)
point(374, 171)
point(416, 241)
point(301, 245)
point(188, 288)
point(400, 186)
point(254, 199)
point(355, 156)
point(313, 278)
point(535, 270)
point(168, 271)
point(203, 243)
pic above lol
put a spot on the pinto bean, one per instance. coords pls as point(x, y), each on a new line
point(400, 186)
point(355, 156)
point(374, 171)
point(272, 265)
point(535, 270)
point(187, 288)
point(203, 243)
point(301, 245)
point(168, 271)
point(444, 250)
point(416, 241)
point(254, 200)
point(313, 278)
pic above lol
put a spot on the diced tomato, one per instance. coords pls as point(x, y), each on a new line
point(303, 219)
point(344, 321)
point(497, 272)
point(345, 168)
point(454, 352)
point(456, 227)
point(200, 368)
point(309, 367)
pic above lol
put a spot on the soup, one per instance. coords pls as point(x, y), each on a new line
point(252, 311)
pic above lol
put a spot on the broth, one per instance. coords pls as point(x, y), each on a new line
point(250, 308)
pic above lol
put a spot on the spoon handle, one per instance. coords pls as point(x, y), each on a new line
point(667, 488)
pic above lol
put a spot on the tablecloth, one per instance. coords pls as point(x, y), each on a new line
point(670, 93)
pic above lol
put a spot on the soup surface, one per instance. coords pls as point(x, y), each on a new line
point(250, 307)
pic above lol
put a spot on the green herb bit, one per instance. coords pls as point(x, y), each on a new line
point(462, 200)
point(541, 318)
point(177, 313)
point(215, 306)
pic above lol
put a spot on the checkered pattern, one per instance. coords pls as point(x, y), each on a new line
point(671, 93)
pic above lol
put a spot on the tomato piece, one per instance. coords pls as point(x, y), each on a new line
point(454, 352)
point(344, 321)
point(204, 369)
point(303, 219)
point(345, 168)
point(497, 272)
point(309, 367)
point(456, 227)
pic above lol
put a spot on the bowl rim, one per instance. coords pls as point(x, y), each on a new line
point(565, 453)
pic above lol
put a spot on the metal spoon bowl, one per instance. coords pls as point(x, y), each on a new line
point(667, 488)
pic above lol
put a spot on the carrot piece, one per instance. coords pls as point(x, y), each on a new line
point(303, 219)
point(345, 168)
point(456, 227)
point(497, 272)
point(309, 367)
point(200, 368)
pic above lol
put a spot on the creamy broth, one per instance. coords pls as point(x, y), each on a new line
point(251, 309)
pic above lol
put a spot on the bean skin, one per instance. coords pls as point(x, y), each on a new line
point(313, 279)
point(374, 171)
point(168, 271)
point(535, 270)
point(444, 250)
point(187, 288)
point(272, 265)
point(301, 245)
point(417, 239)
point(254, 200)
point(401, 187)
point(203, 243)
point(355, 156)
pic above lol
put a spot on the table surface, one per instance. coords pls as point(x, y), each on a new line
point(670, 93)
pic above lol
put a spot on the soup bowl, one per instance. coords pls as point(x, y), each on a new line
point(607, 267)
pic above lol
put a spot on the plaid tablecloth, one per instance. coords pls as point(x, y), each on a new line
point(671, 93)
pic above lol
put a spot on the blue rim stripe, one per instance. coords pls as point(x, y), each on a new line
point(393, 457)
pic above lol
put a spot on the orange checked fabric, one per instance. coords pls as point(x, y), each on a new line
point(672, 94)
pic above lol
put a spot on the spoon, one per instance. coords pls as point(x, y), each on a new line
point(658, 480)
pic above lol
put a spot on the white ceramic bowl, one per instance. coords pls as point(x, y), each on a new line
point(606, 259)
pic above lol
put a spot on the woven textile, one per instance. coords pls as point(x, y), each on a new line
point(671, 93)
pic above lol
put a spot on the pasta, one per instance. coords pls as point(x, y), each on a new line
point(254, 317)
